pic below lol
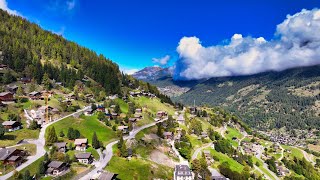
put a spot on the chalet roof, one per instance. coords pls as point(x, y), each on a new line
point(60, 144)
point(83, 155)
point(106, 176)
point(55, 164)
point(132, 119)
point(6, 152)
point(9, 123)
point(80, 141)
point(122, 127)
point(206, 152)
point(34, 93)
point(13, 158)
point(167, 133)
point(182, 170)
point(13, 87)
point(5, 93)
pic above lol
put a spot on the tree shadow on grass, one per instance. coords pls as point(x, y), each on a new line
point(8, 137)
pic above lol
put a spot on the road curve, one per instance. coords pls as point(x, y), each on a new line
point(198, 150)
point(40, 142)
point(107, 153)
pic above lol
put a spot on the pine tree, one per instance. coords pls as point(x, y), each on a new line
point(51, 137)
point(70, 133)
point(42, 168)
point(196, 167)
point(20, 93)
point(95, 141)
point(117, 109)
point(46, 81)
point(124, 150)
point(61, 134)
point(120, 143)
point(76, 134)
point(26, 175)
point(46, 158)
point(2, 130)
point(66, 159)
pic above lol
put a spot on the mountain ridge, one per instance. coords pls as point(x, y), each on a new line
point(265, 100)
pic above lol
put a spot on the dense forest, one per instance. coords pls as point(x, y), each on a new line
point(32, 51)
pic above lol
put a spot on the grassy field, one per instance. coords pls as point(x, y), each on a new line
point(149, 130)
point(123, 105)
point(87, 126)
point(265, 171)
point(234, 165)
point(33, 168)
point(233, 133)
point(154, 105)
point(295, 152)
point(138, 169)
point(11, 138)
point(31, 148)
point(194, 141)
point(94, 153)
point(147, 119)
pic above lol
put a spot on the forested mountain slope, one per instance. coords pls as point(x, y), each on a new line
point(268, 100)
point(32, 51)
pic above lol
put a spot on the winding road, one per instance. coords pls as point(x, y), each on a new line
point(198, 150)
point(40, 142)
point(107, 153)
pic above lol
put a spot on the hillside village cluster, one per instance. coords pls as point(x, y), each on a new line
point(42, 114)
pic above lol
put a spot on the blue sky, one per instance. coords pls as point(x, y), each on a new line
point(132, 33)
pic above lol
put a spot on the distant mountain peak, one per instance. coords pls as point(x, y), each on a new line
point(152, 73)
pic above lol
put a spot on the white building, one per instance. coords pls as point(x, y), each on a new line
point(182, 172)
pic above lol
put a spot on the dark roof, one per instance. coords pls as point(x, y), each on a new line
point(55, 164)
point(167, 133)
point(218, 178)
point(182, 170)
point(106, 176)
point(34, 93)
point(13, 158)
point(5, 93)
point(6, 152)
point(83, 155)
point(13, 87)
point(9, 123)
point(60, 144)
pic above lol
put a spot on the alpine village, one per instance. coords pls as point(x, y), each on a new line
point(68, 113)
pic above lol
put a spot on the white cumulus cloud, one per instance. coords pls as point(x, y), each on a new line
point(128, 71)
point(296, 43)
point(4, 6)
point(161, 61)
point(71, 4)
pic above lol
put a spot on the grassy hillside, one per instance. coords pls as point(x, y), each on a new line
point(138, 169)
point(86, 126)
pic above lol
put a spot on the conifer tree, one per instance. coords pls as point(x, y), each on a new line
point(46, 81)
point(95, 141)
point(51, 137)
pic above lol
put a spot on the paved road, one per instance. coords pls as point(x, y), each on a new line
point(307, 156)
point(40, 142)
point(198, 150)
point(282, 151)
point(107, 153)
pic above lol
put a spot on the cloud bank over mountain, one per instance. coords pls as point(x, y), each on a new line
point(296, 43)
